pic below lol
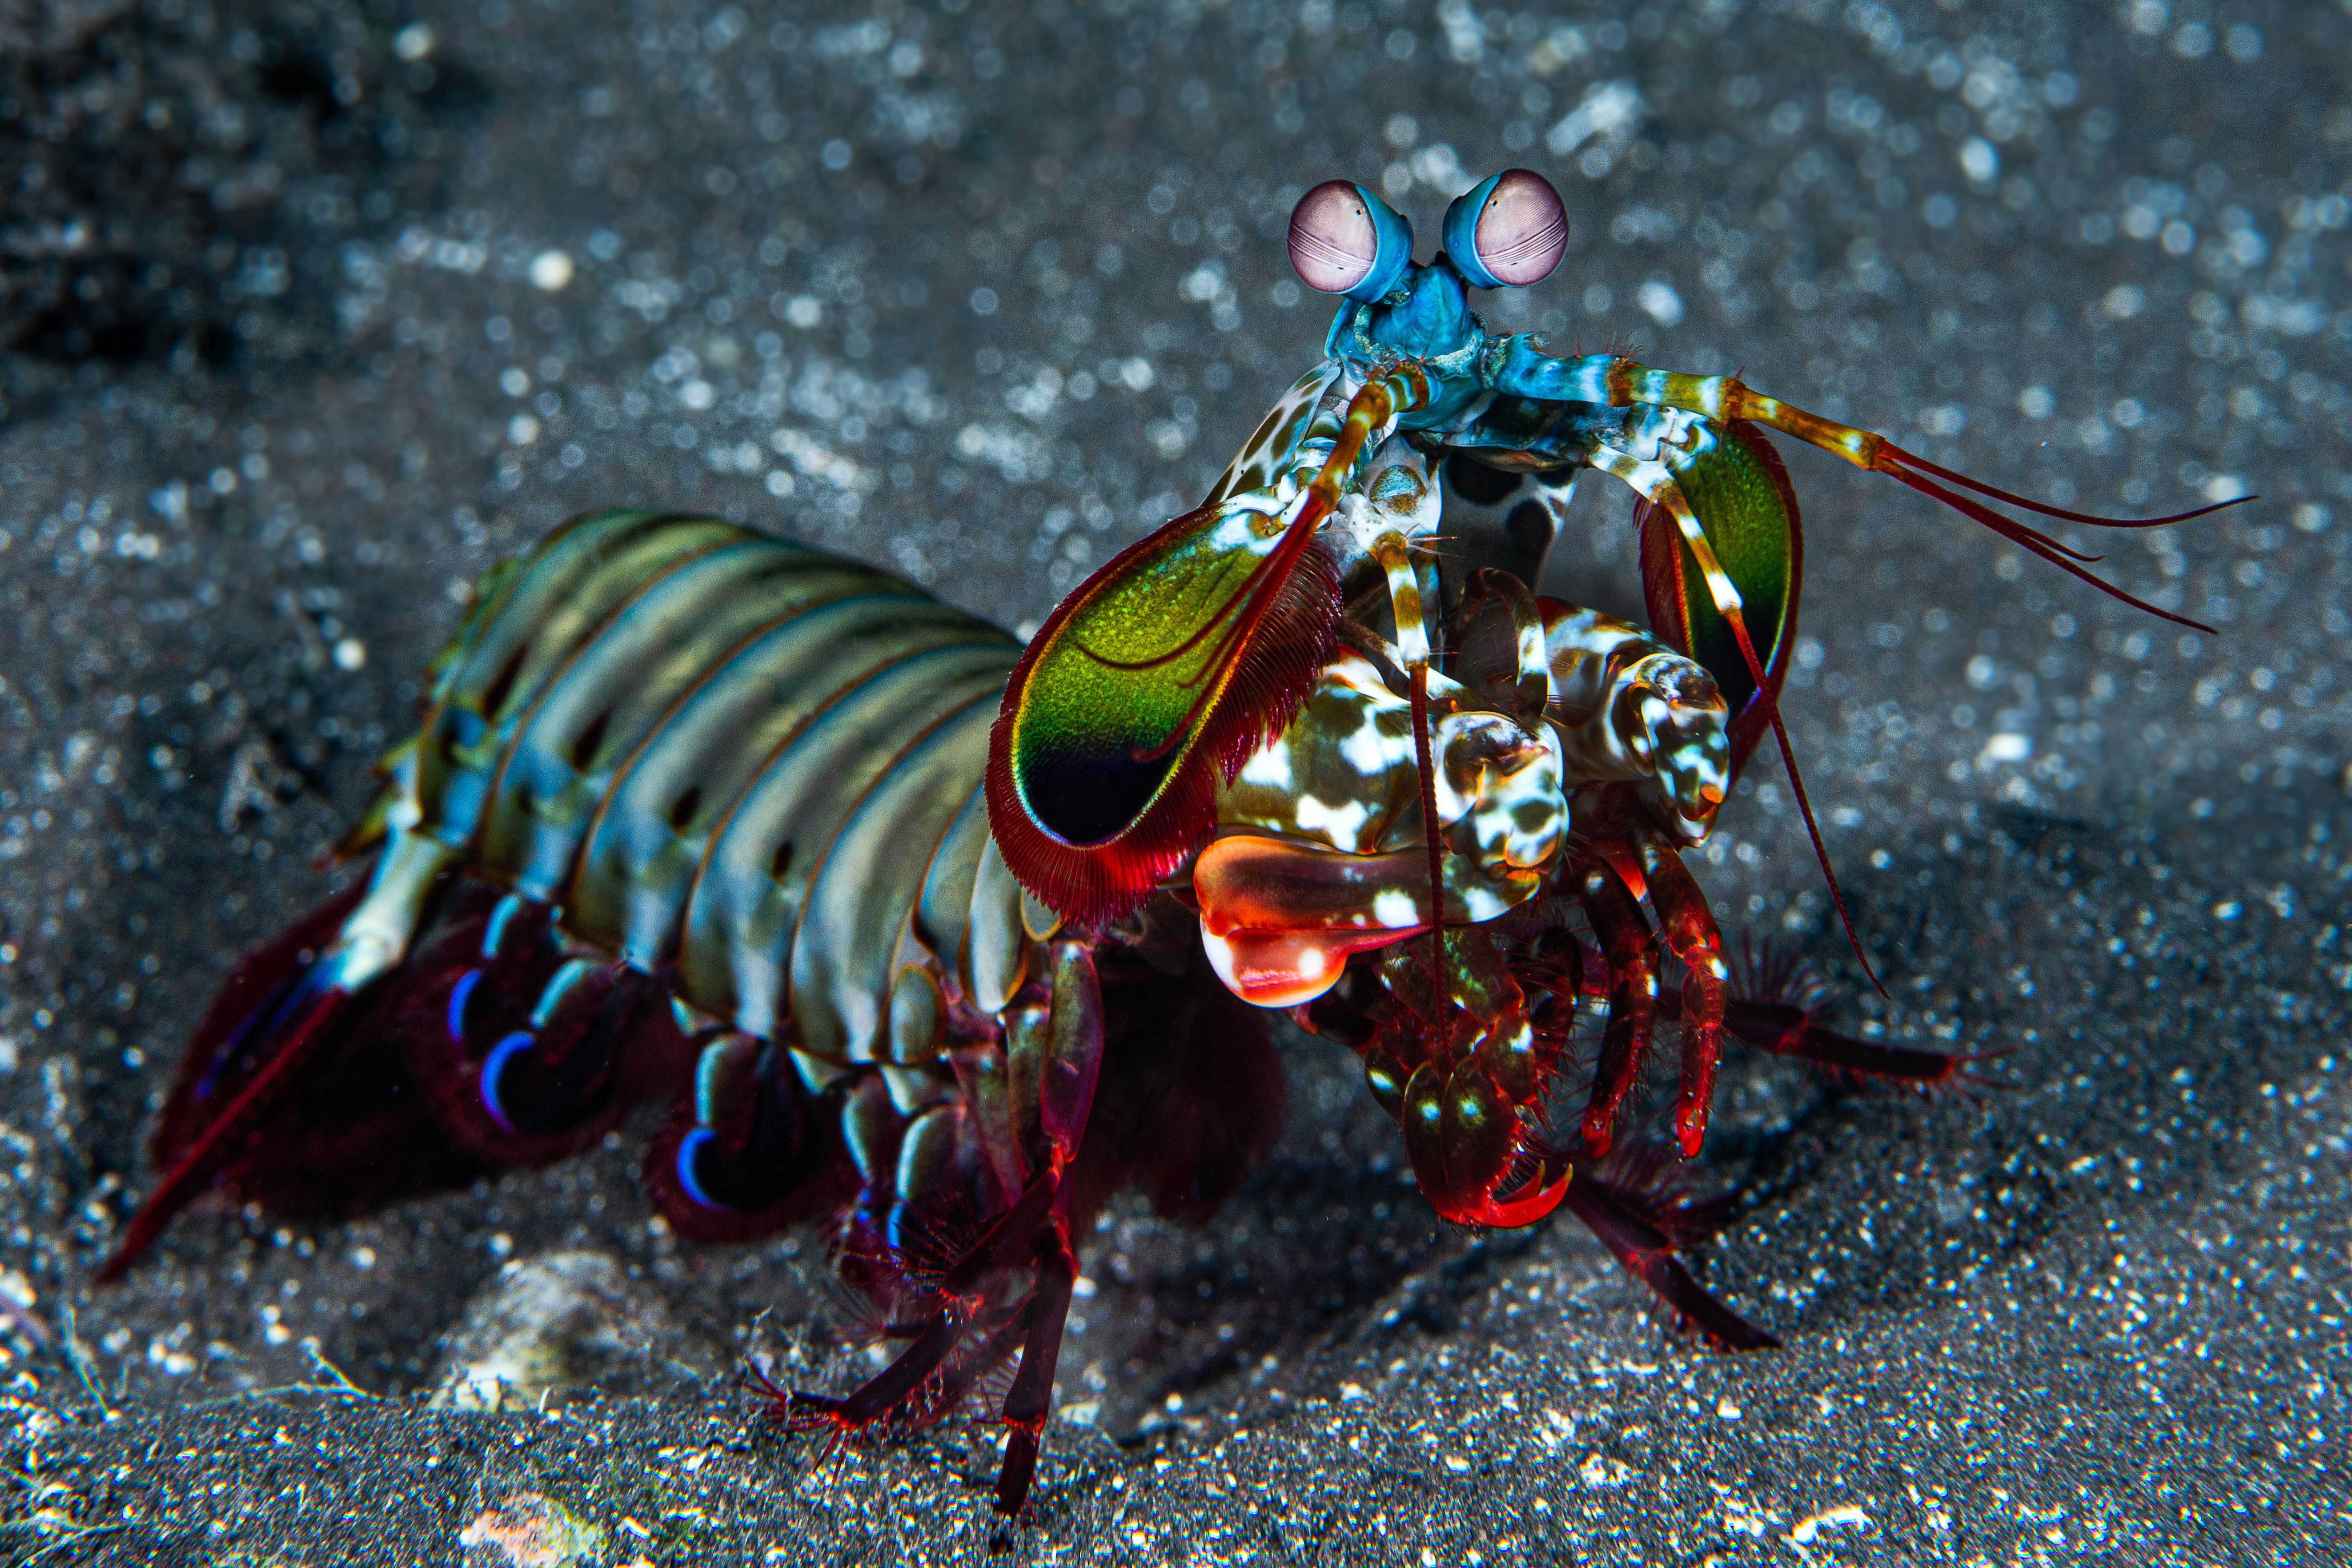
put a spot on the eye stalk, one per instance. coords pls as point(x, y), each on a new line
point(1505, 232)
point(1346, 240)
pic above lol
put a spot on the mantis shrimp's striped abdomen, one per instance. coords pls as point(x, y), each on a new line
point(733, 756)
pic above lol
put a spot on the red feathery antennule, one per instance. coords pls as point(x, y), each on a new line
point(1922, 476)
point(1910, 460)
point(1915, 472)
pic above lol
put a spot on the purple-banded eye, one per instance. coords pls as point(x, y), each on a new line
point(1346, 240)
point(1507, 231)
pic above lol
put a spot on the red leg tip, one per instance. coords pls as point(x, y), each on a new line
point(1690, 1131)
point(1597, 1135)
point(1020, 1469)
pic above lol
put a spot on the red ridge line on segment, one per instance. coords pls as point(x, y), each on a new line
point(1261, 586)
point(1207, 626)
point(1262, 583)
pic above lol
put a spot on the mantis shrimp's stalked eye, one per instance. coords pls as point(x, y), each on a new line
point(1505, 232)
point(1346, 240)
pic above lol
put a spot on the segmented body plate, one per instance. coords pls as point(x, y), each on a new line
point(1273, 449)
point(734, 759)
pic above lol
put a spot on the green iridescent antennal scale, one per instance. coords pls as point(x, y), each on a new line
point(1738, 484)
point(1179, 659)
point(1164, 672)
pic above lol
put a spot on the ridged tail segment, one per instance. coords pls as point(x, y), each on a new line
point(662, 758)
point(723, 756)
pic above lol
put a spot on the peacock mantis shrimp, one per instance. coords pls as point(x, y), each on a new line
point(943, 940)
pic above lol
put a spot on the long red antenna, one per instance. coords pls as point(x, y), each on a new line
point(1797, 784)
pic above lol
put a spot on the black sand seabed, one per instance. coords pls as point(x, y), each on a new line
point(290, 354)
